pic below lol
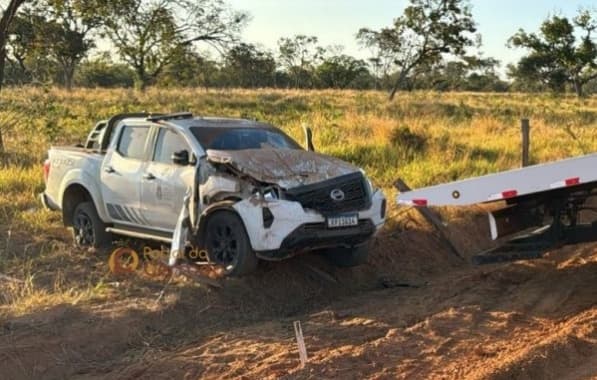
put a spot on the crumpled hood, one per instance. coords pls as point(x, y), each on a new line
point(286, 168)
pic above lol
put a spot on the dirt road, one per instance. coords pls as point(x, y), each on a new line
point(413, 312)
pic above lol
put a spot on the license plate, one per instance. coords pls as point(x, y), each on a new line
point(342, 221)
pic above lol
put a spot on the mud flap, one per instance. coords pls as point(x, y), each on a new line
point(179, 239)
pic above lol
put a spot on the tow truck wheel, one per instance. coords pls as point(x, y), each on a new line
point(228, 245)
point(88, 228)
point(348, 257)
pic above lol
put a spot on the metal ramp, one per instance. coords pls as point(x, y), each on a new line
point(535, 244)
point(525, 247)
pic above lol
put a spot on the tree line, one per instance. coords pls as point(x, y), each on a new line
point(433, 44)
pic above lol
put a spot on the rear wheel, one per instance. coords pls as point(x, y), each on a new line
point(228, 245)
point(348, 257)
point(88, 228)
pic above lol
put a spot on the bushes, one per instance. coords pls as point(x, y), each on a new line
point(404, 138)
point(103, 73)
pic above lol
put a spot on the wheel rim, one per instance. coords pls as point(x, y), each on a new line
point(224, 244)
point(83, 227)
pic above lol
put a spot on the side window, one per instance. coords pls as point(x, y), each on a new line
point(132, 142)
point(167, 143)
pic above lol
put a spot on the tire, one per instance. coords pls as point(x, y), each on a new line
point(228, 245)
point(348, 257)
point(88, 229)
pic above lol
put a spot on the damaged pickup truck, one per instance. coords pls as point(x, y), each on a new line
point(239, 189)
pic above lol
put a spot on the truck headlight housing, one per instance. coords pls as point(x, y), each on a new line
point(269, 194)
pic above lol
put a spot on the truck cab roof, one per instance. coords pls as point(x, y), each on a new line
point(100, 137)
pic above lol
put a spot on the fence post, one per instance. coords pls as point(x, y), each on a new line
point(432, 218)
point(525, 128)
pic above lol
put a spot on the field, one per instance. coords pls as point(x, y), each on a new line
point(414, 311)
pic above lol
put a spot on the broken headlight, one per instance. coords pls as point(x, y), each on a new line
point(270, 194)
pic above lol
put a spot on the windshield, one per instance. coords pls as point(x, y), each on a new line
point(227, 138)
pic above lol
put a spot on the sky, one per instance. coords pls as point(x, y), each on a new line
point(337, 21)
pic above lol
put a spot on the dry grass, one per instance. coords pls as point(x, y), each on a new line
point(423, 137)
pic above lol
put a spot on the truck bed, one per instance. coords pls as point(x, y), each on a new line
point(506, 185)
point(75, 148)
point(64, 159)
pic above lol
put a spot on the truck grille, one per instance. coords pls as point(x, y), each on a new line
point(318, 196)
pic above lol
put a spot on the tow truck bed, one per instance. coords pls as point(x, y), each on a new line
point(506, 185)
point(547, 198)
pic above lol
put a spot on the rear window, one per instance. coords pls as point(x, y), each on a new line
point(132, 142)
point(227, 138)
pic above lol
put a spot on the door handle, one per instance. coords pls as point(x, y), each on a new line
point(109, 169)
point(148, 176)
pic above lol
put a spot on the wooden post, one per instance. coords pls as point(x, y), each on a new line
point(432, 218)
point(525, 128)
point(308, 138)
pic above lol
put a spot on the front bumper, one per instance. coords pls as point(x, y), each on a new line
point(313, 236)
point(296, 229)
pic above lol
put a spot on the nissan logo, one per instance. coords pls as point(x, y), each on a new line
point(337, 195)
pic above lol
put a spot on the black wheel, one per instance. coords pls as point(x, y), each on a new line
point(228, 245)
point(348, 257)
point(88, 228)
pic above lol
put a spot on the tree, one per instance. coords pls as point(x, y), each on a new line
point(67, 32)
point(469, 73)
point(50, 38)
point(427, 30)
point(298, 55)
point(381, 62)
point(9, 12)
point(245, 65)
point(556, 54)
point(187, 68)
point(339, 71)
point(20, 44)
point(102, 72)
point(148, 33)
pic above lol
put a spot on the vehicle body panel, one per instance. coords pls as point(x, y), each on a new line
point(120, 179)
point(285, 167)
point(162, 197)
point(74, 166)
point(288, 216)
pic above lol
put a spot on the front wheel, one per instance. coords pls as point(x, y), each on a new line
point(228, 245)
point(348, 257)
point(88, 229)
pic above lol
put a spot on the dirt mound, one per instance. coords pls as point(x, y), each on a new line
point(414, 311)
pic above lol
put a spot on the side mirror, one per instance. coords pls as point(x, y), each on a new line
point(181, 157)
point(308, 138)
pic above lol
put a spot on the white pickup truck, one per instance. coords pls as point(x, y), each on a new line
point(250, 192)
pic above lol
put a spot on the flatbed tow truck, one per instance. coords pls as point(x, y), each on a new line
point(545, 199)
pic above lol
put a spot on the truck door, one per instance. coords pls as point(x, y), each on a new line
point(121, 175)
point(165, 183)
